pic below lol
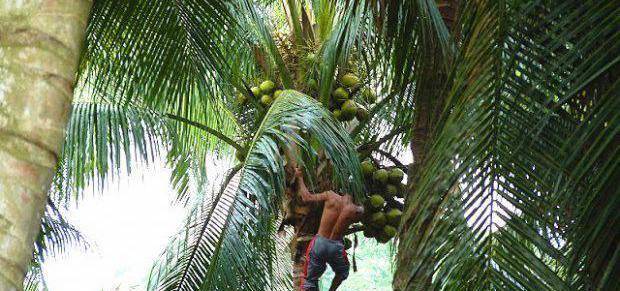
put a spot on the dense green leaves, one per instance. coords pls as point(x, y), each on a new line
point(504, 201)
point(172, 54)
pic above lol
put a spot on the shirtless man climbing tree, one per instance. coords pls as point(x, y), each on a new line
point(327, 246)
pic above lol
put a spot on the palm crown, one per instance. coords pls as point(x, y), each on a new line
point(510, 109)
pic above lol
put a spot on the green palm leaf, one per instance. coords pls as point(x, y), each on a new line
point(514, 144)
point(56, 235)
point(104, 140)
point(178, 57)
point(232, 245)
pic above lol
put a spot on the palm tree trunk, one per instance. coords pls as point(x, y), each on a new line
point(40, 43)
point(428, 104)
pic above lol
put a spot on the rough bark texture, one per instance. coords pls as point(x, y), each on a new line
point(428, 105)
point(40, 43)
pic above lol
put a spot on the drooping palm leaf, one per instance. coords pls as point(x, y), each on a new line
point(406, 48)
point(178, 57)
point(337, 47)
point(56, 235)
point(232, 246)
point(102, 138)
point(161, 51)
point(518, 136)
point(106, 139)
point(34, 280)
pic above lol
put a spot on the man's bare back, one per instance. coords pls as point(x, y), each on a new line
point(338, 213)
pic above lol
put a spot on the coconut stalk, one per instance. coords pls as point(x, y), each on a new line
point(40, 43)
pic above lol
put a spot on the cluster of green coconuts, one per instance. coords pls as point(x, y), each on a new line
point(344, 108)
point(382, 219)
point(266, 92)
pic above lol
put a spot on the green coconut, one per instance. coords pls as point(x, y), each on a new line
point(340, 94)
point(350, 80)
point(378, 219)
point(391, 190)
point(400, 193)
point(310, 57)
point(369, 95)
point(389, 231)
point(267, 86)
point(393, 216)
point(380, 176)
point(362, 114)
point(346, 116)
point(255, 91)
point(368, 168)
point(337, 114)
point(276, 94)
point(241, 99)
point(368, 233)
point(396, 176)
point(349, 108)
point(376, 201)
point(266, 100)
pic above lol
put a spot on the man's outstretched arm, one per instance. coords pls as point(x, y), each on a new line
point(303, 192)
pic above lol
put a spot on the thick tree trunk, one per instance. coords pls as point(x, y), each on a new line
point(40, 45)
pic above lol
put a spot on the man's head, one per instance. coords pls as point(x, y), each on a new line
point(359, 206)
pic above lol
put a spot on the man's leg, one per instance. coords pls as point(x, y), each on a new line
point(336, 282)
point(340, 264)
point(315, 266)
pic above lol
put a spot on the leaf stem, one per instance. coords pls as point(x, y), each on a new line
point(210, 130)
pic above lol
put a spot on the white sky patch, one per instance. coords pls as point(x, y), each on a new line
point(128, 226)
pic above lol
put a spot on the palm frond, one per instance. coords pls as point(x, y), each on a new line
point(231, 245)
point(104, 140)
point(337, 48)
point(257, 26)
point(177, 57)
point(408, 48)
point(56, 235)
point(404, 27)
point(34, 280)
point(530, 112)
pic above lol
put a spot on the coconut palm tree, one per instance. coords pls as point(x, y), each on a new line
point(508, 107)
point(40, 45)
